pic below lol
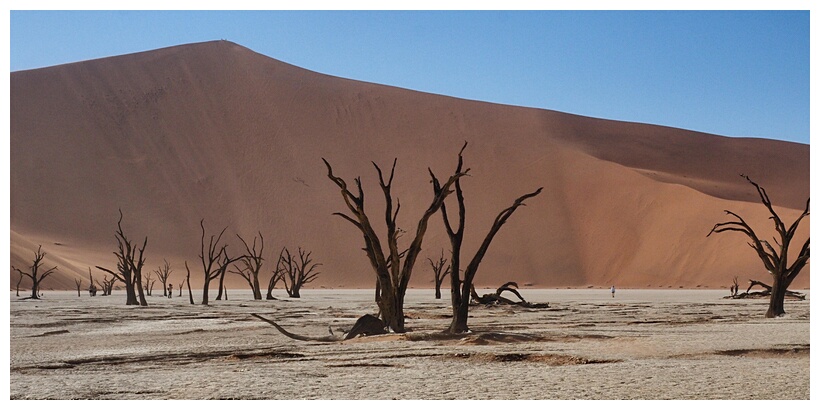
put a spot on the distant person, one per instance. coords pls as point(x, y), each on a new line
point(612, 289)
point(170, 290)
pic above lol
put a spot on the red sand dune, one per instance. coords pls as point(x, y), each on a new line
point(216, 131)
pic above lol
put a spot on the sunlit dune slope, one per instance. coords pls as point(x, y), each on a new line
point(217, 132)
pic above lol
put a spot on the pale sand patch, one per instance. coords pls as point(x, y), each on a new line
point(640, 345)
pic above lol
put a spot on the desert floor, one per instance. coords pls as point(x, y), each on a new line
point(643, 344)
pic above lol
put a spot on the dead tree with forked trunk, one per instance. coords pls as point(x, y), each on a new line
point(775, 261)
point(129, 266)
point(392, 273)
point(439, 272)
point(78, 282)
point(460, 289)
point(107, 285)
point(214, 261)
point(35, 274)
point(251, 265)
point(149, 283)
point(163, 273)
point(297, 271)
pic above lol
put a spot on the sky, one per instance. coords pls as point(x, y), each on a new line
point(733, 73)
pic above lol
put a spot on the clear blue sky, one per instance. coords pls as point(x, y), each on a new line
point(735, 73)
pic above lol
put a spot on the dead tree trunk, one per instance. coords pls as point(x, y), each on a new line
point(19, 280)
point(163, 273)
point(392, 273)
point(34, 272)
point(460, 289)
point(439, 272)
point(129, 266)
point(79, 284)
point(775, 262)
point(297, 271)
point(188, 281)
point(214, 262)
point(251, 265)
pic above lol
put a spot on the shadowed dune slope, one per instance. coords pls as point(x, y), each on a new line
point(216, 131)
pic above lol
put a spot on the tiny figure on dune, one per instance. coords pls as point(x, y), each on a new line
point(170, 290)
point(612, 289)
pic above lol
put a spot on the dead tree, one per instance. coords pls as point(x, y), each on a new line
point(79, 284)
point(107, 285)
point(460, 289)
point(163, 272)
point(775, 261)
point(214, 262)
point(129, 266)
point(149, 283)
point(251, 265)
point(439, 272)
point(19, 280)
point(223, 268)
point(180, 287)
point(34, 272)
point(298, 271)
point(278, 274)
point(392, 274)
point(188, 281)
point(92, 290)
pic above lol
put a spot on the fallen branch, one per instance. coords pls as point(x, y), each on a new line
point(497, 299)
point(765, 293)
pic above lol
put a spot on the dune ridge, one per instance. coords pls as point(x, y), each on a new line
point(216, 131)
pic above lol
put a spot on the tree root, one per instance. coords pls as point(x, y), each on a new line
point(366, 325)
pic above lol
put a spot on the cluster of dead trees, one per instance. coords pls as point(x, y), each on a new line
point(393, 266)
point(293, 270)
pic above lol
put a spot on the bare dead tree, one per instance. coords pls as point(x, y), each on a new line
point(251, 265)
point(129, 266)
point(298, 271)
point(775, 261)
point(19, 280)
point(460, 289)
point(79, 284)
point(148, 283)
point(107, 285)
point(35, 274)
point(214, 261)
point(439, 272)
point(223, 268)
point(163, 273)
point(180, 287)
point(392, 273)
point(92, 290)
point(277, 275)
point(188, 281)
